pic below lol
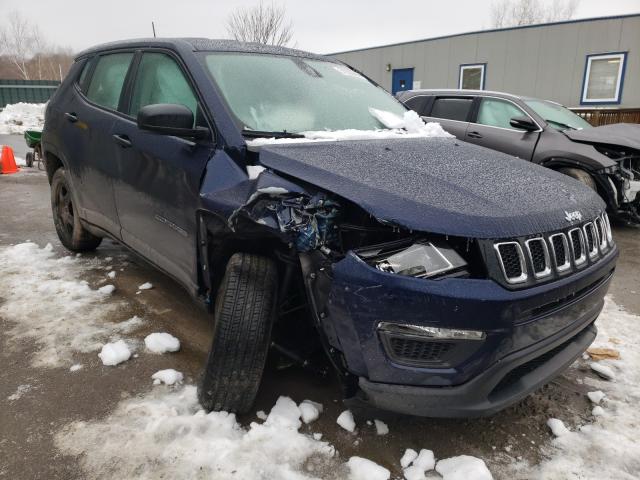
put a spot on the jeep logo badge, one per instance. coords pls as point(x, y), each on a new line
point(573, 216)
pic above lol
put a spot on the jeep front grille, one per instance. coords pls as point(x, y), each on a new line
point(523, 261)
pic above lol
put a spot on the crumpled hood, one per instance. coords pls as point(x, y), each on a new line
point(439, 185)
point(623, 134)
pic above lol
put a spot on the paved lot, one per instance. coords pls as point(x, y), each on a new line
point(56, 397)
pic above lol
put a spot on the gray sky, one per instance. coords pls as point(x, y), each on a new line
point(321, 26)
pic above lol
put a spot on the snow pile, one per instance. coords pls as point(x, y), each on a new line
point(146, 286)
point(408, 126)
point(310, 411)
point(114, 353)
point(415, 465)
point(363, 469)
point(381, 427)
point(18, 117)
point(168, 377)
point(75, 367)
point(44, 300)
point(463, 467)
point(609, 447)
point(346, 421)
point(557, 427)
point(173, 438)
point(162, 342)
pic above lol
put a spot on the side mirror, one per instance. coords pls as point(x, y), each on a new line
point(169, 119)
point(523, 123)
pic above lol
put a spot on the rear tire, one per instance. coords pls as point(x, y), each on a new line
point(29, 159)
point(244, 314)
point(581, 176)
point(65, 216)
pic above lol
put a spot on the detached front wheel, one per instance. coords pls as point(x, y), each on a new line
point(244, 314)
point(65, 216)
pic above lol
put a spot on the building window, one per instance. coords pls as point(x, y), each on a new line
point(472, 76)
point(603, 78)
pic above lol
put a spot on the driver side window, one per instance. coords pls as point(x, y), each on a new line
point(497, 113)
point(160, 80)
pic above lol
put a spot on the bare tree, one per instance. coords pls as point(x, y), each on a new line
point(512, 13)
point(17, 43)
point(261, 24)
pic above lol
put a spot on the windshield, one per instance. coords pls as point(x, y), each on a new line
point(272, 93)
point(557, 116)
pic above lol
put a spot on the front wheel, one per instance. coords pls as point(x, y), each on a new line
point(65, 216)
point(244, 314)
point(581, 176)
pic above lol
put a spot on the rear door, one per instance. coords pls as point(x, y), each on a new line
point(89, 117)
point(491, 128)
point(158, 187)
point(452, 112)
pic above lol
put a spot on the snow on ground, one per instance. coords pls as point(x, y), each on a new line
point(44, 299)
point(18, 117)
point(20, 391)
point(463, 467)
point(346, 421)
point(167, 435)
point(605, 446)
point(146, 286)
point(168, 377)
point(408, 126)
point(162, 342)
point(364, 469)
point(114, 353)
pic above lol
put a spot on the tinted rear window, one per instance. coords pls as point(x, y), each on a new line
point(451, 108)
point(417, 104)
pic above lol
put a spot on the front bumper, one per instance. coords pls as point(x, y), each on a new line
point(531, 335)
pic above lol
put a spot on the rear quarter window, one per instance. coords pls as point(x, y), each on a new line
point(417, 104)
point(451, 108)
point(108, 78)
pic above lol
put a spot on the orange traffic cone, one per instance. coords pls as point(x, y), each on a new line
point(7, 161)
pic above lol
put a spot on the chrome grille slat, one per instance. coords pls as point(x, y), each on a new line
point(560, 248)
point(528, 260)
point(511, 261)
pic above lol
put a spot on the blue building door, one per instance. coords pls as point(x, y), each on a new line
point(402, 80)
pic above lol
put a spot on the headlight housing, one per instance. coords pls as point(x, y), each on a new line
point(421, 258)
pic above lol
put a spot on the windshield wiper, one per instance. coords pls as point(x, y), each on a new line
point(265, 134)
point(560, 124)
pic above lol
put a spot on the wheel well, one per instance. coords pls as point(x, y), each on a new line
point(51, 163)
point(602, 186)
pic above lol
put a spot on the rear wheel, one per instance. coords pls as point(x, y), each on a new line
point(244, 314)
point(581, 176)
point(65, 216)
point(29, 159)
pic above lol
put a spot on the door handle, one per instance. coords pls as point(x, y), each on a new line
point(122, 140)
point(71, 116)
point(474, 135)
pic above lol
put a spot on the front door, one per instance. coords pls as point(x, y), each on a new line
point(492, 129)
point(158, 188)
point(402, 80)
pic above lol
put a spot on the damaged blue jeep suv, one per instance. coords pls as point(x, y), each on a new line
point(316, 218)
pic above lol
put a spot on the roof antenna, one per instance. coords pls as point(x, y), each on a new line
point(153, 27)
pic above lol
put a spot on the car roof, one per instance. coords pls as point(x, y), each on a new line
point(203, 45)
point(457, 91)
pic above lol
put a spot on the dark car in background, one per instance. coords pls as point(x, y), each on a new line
point(605, 158)
point(436, 277)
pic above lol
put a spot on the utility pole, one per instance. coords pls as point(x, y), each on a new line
point(153, 27)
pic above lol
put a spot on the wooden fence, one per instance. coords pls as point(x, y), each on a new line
point(602, 116)
point(28, 91)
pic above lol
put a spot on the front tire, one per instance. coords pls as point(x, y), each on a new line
point(65, 216)
point(581, 176)
point(244, 314)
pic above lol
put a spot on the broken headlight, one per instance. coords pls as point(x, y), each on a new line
point(423, 259)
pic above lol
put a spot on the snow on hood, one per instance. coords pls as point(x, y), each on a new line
point(408, 126)
point(623, 134)
point(19, 117)
point(439, 185)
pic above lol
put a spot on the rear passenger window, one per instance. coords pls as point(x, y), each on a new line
point(160, 80)
point(417, 104)
point(451, 108)
point(107, 80)
point(497, 113)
